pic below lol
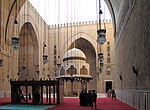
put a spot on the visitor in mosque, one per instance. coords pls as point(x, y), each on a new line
point(83, 98)
point(113, 94)
point(94, 97)
point(22, 96)
point(29, 96)
point(89, 97)
point(109, 92)
point(36, 96)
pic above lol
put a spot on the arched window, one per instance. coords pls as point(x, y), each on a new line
point(62, 71)
point(83, 70)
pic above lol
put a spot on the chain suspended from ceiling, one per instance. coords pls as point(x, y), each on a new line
point(58, 37)
point(101, 37)
point(15, 38)
point(45, 56)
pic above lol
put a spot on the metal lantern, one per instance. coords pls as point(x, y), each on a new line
point(15, 43)
point(58, 65)
point(7, 76)
point(23, 67)
point(101, 64)
point(1, 62)
point(45, 59)
point(15, 39)
point(100, 57)
point(100, 70)
point(101, 36)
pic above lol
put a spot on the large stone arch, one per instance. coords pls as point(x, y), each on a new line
point(73, 38)
point(112, 13)
point(28, 53)
point(30, 16)
point(90, 52)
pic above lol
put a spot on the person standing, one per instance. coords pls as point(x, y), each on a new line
point(81, 97)
point(113, 94)
point(94, 97)
point(89, 98)
point(109, 92)
point(30, 96)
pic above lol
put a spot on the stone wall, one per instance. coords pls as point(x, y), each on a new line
point(140, 99)
point(132, 49)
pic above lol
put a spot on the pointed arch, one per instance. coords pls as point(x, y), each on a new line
point(28, 52)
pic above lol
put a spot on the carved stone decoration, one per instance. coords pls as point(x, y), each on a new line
point(72, 70)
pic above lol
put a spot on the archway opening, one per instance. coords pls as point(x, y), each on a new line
point(88, 49)
point(28, 53)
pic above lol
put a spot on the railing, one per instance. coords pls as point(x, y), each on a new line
point(139, 99)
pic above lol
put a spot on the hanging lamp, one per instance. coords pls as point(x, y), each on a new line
point(101, 39)
point(101, 36)
point(1, 62)
point(45, 57)
point(15, 39)
point(101, 32)
point(100, 57)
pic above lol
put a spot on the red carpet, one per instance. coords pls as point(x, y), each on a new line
point(73, 104)
point(102, 104)
point(4, 101)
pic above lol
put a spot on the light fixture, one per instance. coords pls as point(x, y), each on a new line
point(1, 62)
point(135, 70)
point(58, 65)
point(23, 67)
point(100, 57)
point(101, 39)
point(7, 76)
point(15, 39)
point(18, 73)
point(120, 76)
point(45, 59)
point(101, 32)
point(101, 36)
point(101, 64)
point(15, 43)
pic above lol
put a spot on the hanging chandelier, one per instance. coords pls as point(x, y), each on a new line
point(101, 39)
point(45, 57)
point(101, 32)
point(15, 39)
point(1, 62)
point(101, 36)
point(100, 57)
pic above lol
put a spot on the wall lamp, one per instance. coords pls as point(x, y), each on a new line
point(135, 70)
point(120, 76)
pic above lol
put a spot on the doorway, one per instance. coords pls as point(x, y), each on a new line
point(108, 85)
